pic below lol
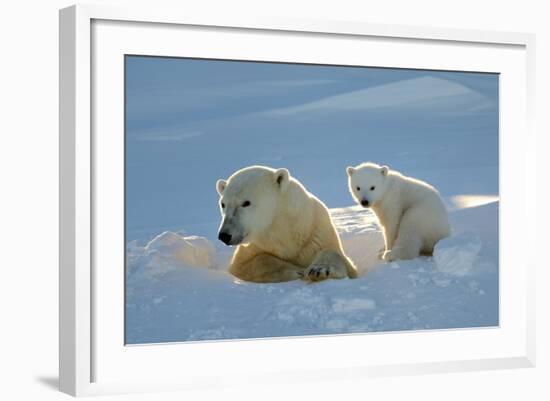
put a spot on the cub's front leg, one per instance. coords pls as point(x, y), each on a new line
point(389, 231)
point(327, 264)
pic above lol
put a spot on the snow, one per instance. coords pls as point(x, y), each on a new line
point(178, 289)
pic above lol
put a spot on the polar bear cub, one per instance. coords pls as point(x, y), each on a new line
point(282, 232)
point(410, 211)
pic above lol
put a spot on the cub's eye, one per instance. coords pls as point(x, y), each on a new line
point(246, 203)
point(372, 188)
point(223, 205)
point(358, 188)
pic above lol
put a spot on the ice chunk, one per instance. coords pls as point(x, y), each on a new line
point(169, 247)
point(456, 254)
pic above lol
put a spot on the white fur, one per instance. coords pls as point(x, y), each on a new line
point(410, 211)
point(284, 233)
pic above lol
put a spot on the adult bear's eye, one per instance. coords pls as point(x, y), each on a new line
point(372, 188)
point(358, 188)
point(223, 205)
point(246, 203)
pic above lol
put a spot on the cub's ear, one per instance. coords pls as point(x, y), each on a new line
point(384, 170)
point(350, 170)
point(220, 186)
point(282, 177)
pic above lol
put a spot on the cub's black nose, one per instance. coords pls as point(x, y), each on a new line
point(365, 203)
point(225, 238)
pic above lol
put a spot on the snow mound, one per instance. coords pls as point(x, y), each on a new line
point(456, 255)
point(168, 249)
point(361, 235)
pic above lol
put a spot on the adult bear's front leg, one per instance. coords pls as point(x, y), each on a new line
point(264, 268)
point(327, 264)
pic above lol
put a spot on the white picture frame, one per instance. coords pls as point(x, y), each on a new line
point(93, 358)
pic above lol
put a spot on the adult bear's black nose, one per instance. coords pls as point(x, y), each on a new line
point(365, 203)
point(224, 237)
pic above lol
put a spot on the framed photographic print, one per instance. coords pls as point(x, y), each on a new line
point(248, 190)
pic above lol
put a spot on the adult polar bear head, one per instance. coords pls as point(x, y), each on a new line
point(248, 202)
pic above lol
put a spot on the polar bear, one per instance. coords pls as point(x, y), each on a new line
point(410, 211)
point(282, 232)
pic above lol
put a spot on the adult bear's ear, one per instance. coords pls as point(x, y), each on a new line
point(350, 170)
point(282, 177)
point(220, 186)
point(384, 170)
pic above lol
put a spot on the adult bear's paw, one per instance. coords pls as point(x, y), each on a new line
point(317, 272)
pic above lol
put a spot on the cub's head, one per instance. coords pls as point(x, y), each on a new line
point(367, 183)
point(248, 202)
